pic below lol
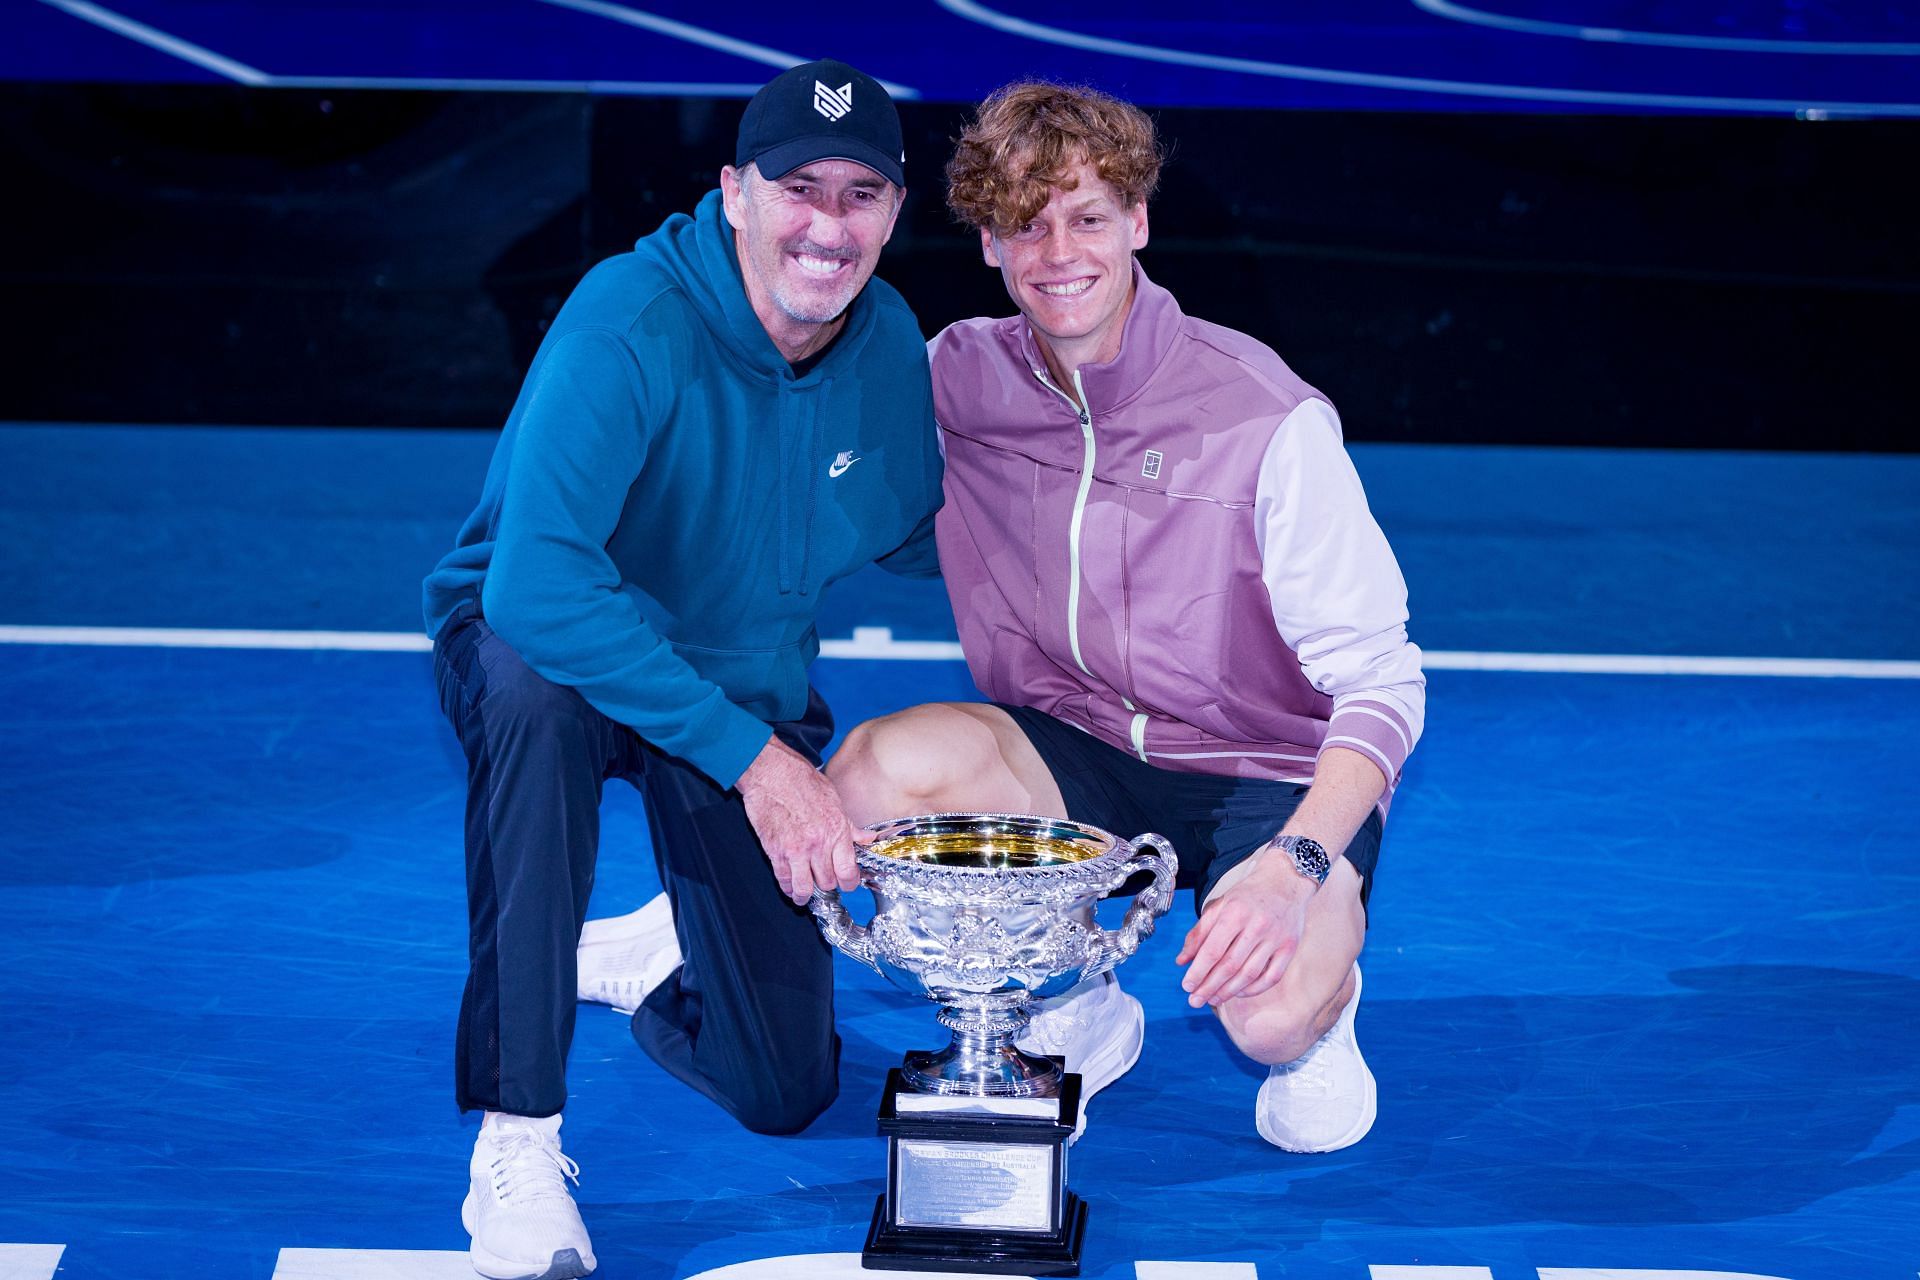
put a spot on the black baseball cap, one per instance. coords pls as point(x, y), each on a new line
point(821, 111)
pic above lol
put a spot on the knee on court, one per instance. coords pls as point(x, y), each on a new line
point(1275, 1028)
point(783, 1107)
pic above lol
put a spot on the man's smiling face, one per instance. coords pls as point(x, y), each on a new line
point(1069, 268)
point(808, 240)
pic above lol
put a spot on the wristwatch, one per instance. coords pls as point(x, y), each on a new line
point(1309, 856)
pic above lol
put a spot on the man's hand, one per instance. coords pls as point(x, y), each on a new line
point(1247, 935)
point(797, 815)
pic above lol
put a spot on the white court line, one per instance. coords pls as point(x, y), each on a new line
point(878, 643)
point(1641, 1273)
point(701, 36)
point(30, 1261)
point(973, 11)
point(372, 1264)
point(154, 38)
point(1648, 664)
point(819, 1266)
point(203, 638)
point(1615, 35)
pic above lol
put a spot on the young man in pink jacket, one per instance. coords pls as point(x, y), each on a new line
point(1167, 581)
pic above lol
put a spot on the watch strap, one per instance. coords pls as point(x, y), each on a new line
point(1309, 856)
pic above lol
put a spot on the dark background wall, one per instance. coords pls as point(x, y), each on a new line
point(173, 253)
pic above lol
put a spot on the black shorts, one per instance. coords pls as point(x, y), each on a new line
point(1214, 821)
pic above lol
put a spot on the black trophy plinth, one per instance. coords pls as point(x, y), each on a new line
point(977, 1184)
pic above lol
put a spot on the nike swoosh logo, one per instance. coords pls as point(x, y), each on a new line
point(839, 466)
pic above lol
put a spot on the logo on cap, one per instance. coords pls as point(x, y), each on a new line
point(833, 103)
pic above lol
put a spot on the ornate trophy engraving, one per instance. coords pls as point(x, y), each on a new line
point(983, 913)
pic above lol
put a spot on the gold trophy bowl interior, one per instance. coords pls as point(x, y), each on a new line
point(983, 913)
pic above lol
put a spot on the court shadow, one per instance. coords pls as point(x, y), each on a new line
point(162, 847)
point(1756, 1091)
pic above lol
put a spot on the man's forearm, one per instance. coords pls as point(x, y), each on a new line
point(1346, 786)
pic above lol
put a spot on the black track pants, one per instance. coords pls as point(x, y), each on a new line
point(746, 1020)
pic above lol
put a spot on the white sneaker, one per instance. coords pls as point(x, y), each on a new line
point(1097, 1028)
point(622, 958)
point(518, 1210)
point(1325, 1099)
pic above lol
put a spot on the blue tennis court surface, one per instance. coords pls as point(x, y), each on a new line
point(1643, 986)
point(1643, 981)
point(1733, 56)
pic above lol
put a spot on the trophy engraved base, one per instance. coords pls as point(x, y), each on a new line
point(977, 1185)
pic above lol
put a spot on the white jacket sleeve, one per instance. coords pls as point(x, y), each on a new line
point(1336, 590)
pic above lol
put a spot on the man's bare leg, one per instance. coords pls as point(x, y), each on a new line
point(939, 757)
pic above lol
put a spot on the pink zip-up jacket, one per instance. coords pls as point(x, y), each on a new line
point(1188, 570)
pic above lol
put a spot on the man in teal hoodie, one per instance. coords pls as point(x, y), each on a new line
point(719, 425)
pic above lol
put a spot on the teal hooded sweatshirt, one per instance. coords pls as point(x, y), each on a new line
point(667, 500)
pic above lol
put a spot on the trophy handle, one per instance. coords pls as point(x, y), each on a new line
point(837, 926)
point(1110, 947)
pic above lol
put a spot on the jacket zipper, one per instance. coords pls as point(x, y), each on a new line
point(1138, 733)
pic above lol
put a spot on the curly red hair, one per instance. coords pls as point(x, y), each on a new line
point(1025, 138)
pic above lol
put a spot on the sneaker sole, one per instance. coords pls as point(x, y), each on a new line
point(620, 1007)
point(566, 1264)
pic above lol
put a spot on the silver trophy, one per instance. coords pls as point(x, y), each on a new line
point(983, 913)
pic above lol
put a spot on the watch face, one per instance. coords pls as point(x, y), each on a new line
point(1309, 857)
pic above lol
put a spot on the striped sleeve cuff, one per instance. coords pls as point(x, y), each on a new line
point(1377, 729)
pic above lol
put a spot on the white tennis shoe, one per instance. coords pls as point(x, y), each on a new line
point(1325, 1099)
point(623, 958)
point(518, 1210)
point(1097, 1028)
